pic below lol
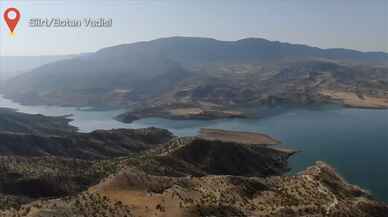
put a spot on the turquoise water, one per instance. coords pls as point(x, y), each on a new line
point(354, 141)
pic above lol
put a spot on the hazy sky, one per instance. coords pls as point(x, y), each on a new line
point(356, 24)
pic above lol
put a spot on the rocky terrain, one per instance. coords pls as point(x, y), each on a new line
point(202, 78)
point(317, 191)
point(150, 172)
point(44, 157)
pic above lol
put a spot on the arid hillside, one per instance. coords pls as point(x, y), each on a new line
point(217, 173)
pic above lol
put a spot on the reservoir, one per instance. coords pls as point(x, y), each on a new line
point(354, 141)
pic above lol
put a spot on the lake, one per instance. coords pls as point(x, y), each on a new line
point(354, 141)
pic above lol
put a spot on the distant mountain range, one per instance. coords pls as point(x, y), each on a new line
point(188, 70)
point(11, 66)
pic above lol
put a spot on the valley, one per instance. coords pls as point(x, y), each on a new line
point(192, 127)
point(299, 127)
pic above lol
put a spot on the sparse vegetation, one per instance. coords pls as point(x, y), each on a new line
point(188, 177)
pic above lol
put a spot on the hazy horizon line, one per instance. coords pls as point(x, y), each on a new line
point(198, 37)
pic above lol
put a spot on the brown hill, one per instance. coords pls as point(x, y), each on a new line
point(317, 191)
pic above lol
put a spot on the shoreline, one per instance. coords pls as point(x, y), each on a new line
point(198, 112)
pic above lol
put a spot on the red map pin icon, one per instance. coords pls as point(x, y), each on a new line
point(12, 17)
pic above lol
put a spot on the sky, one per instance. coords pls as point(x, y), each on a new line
point(355, 24)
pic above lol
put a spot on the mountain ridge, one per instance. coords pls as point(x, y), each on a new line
point(251, 41)
point(176, 71)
